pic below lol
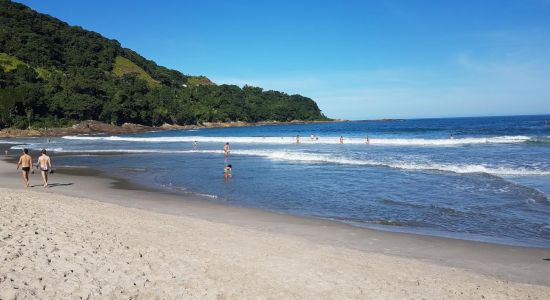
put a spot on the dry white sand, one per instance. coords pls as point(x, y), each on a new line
point(54, 246)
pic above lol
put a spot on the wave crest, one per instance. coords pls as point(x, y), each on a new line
point(307, 140)
point(306, 157)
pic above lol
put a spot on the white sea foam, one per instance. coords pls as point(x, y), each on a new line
point(307, 140)
point(36, 147)
point(137, 151)
point(208, 196)
point(451, 142)
point(394, 163)
point(9, 142)
point(333, 159)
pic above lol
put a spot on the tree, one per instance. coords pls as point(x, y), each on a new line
point(53, 73)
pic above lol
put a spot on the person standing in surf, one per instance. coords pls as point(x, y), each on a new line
point(341, 139)
point(297, 139)
point(226, 149)
point(45, 165)
point(25, 162)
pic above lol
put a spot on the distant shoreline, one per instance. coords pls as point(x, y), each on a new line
point(96, 127)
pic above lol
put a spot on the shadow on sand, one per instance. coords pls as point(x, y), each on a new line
point(51, 185)
point(60, 184)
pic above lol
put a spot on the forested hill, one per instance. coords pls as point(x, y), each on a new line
point(53, 74)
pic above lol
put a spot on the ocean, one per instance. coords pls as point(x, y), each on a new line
point(484, 179)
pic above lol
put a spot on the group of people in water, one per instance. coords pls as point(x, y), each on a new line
point(228, 167)
point(316, 138)
point(44, 164)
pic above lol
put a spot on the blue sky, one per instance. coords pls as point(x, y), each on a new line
point(357, 59)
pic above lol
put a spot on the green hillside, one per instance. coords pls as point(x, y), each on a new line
point(124, 66)
point(198, 80)
point(9, 63)
point(53, 74)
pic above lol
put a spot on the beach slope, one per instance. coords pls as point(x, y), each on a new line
point(55, 246)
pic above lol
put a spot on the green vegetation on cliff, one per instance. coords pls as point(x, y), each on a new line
point(124, 66)
point(9, 63)
point(54, 74)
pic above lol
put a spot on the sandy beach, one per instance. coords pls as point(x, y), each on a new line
point(88, 237)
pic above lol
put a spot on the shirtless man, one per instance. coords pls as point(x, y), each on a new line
point(25, 162)
point(45, 166)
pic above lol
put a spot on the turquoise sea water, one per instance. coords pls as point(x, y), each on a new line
point(470, 178)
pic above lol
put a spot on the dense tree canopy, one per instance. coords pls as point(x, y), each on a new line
point(54, 74)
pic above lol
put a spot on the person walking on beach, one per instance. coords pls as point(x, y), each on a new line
point(25, 162)
point(45, 165)
point(226, 149)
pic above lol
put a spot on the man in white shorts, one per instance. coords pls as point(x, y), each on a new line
point(45, 165)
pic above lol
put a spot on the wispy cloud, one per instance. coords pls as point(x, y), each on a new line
point(500, 72)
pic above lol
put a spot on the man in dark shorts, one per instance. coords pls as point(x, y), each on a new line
point(25, 162)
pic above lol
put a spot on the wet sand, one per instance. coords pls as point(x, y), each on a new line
point(98, 237)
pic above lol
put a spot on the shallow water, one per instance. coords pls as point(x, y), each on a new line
point(471, 178)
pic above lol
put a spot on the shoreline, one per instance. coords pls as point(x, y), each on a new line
point(510, 263)
point(117, 182)
point(128, 184)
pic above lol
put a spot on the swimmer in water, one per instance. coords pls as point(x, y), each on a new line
point(341, 139)
point(297, 139)
point(227, 171)
point(368, 140)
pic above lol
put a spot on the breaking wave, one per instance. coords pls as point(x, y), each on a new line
point(306, 157)
point(321, 140)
